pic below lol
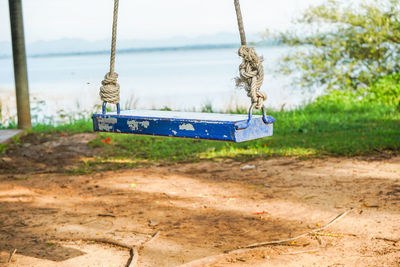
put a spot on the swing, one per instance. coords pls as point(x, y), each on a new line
point(211, 126)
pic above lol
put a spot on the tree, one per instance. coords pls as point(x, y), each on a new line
point(344, 46)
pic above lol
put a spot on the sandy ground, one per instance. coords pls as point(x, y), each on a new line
point(180, 213)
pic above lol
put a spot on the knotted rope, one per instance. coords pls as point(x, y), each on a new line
point(109, 91)
point(251, 75)
point(251, 69)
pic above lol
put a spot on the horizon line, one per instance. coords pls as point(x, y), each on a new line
point(144, 50)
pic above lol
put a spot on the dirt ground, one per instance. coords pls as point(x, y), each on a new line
point(174, 214)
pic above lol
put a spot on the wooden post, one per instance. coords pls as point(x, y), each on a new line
point(20, 70)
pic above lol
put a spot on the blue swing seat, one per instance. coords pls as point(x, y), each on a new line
point(211, 126)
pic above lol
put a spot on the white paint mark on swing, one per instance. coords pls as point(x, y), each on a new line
point(104, 123)
point(186, 126)
point(134, 125)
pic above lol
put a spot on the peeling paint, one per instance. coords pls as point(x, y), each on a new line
point(111, 120)
point(223, 129)
point(104, 123)
point(186, 126)
point(134, 125)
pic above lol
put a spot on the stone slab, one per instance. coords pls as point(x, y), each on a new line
point(6, 135)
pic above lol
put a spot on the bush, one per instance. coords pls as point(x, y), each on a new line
point(386, 91)
point(344, 45)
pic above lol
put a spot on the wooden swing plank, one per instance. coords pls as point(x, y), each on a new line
point(211, 126)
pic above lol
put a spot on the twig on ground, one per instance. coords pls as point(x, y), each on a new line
point(301, 252)
point(154, 236)
point(133, 257)
point(277, 242)
point(89, 221)
point(329, 235)
point(98, 240)
point(133, 254)
point(106, 215)
point(133, 250)
point(373, 206)
point(11, 255)
point(387, 239)
point(212, 259)
point(318, 239)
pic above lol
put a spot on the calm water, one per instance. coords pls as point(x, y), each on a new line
point(183, 80)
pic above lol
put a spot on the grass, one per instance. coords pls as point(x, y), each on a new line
point(3, 148)
point(313, 131)
point(75, 126)
point(316, 130)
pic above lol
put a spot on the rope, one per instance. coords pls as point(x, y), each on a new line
point(251, 69)
point(251, 75)
point(240, 23)
point(109, 91)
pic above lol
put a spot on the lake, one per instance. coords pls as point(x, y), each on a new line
point(180, 79)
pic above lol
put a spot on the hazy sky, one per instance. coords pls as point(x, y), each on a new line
point(147, 19)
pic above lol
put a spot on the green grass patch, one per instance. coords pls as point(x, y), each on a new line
point(313, 131)
point(334, 125)
point(3, 148)
point(75, 126)
point(71, 127)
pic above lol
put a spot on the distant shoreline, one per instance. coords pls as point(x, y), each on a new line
point(141, 50)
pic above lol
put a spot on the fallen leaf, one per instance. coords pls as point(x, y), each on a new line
point(261, 212)
point(309, 197)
